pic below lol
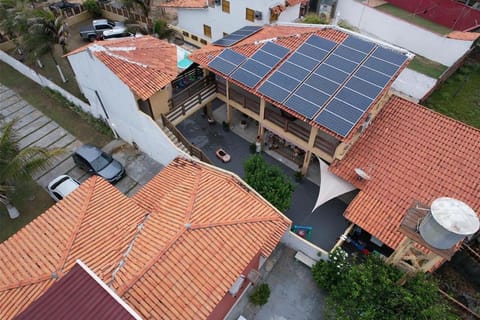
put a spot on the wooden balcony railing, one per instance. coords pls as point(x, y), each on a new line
point(325, 145)
point(250, 103)
point(287, 125)
point(192, 150)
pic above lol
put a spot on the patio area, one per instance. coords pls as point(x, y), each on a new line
point(293, 291)
point(327, 221)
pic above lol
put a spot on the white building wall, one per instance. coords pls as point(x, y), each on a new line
point(401, 33)
point(192, 20)
point(125, 118)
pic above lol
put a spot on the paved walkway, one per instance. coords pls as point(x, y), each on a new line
point(33, 128)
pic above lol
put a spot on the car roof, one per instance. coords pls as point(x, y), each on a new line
point(88, 152)
point(63, 185)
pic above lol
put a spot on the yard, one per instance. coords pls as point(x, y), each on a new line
point(414, 19)
point(427, 67)
point(459, 96)
point(35, 200)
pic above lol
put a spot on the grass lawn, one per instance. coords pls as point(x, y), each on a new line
point(427, 67)
point(53, 107)
point(459, 96)
point(31, 203)
point(413, 19)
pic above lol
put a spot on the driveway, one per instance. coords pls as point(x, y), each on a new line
point(293, 291)
point(33, 128)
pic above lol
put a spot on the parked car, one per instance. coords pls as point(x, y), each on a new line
point(95, 30)
point(112, 34)
point(61, 5)
point(95, 161)
point(62, 186)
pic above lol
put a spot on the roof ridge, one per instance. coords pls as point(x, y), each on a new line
point(191, 203)
point(125, 287)
point(93, 180)
point(24, 283)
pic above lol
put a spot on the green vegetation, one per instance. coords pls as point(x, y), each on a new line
point(345, 25)
point(269, 181)
point(17, 167)
point(55, 108)
point(427, 67)
point(414, 19)
point(459, 96)
point(160, 28)
point(260, 295)
point(93, 7)
point(375, 290)
point(313, 18)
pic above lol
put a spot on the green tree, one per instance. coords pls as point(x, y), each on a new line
point(93, 7)
point(17, 166)
point(269, 181)
point(161, 29)
point(373, 290)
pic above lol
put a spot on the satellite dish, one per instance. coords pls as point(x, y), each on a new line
point(362, 174)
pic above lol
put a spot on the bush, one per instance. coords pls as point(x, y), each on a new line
point(92, 7)
point(269, 181)
point(313, 18)
point(260, 295)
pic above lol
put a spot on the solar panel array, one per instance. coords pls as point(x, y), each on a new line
point(331, 83)
point(227, 61)
point(237, 36)
point(254, 69)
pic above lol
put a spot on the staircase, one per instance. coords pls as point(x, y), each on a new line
point(174, 140)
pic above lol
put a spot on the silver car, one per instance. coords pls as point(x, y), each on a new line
point(92, 159)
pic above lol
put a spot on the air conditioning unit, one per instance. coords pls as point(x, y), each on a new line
point(258, 15)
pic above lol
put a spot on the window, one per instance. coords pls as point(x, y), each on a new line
point(226, 6)
point(194, 37)
point(185, 33)
point(207, 31)
point(250, 14)
point(203, 41)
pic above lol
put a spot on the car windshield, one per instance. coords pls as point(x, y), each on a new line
point(101, 162)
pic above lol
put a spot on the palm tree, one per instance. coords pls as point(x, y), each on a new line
point(17, 166)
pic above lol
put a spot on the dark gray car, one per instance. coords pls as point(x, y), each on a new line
point(95, 161)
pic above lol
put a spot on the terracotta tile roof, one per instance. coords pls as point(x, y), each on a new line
point(411, 153)
point(291, 37)
point(294, 2)
point(185, 4)
point(145, 64)
point(183, 239)
point(467, 36)
point(77, 296)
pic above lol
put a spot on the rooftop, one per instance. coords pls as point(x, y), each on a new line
point(78, 295)
point(328, 77)
point(145, 64)
point(411, 153)
point(197, 224)
point(194, 4)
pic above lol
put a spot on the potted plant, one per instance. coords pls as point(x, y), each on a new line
point(298, 176)
point(225, 126)
point(260, 295)
point(243, 123)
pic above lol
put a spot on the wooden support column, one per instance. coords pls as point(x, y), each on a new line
point(432, 262)
point(208, 107)
point(308, 154)
point(397, 255)
point(261, 130)
point(229, 107)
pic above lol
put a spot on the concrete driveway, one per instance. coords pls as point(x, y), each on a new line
point(33, 128)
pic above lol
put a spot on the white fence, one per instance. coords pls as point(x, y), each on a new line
point(41, 80)
point(297, 243)
point(401, 33)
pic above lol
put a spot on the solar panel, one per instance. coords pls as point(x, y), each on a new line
point(358, 44)
point(353, 98)
point(350, 54)
point(373, 76)
point(363, 87)
point(334, 122)
point(237, 36)
point(321, 43)
point(302, 61)
point(283, 81)
point(381, 66)
point(312, 52)
point(254, 69)
point(390, 56)
point(273, 91)
point(344, 110)
point(302, 106)
point(331, 73)
point(323, 84)
point(341, 63)
point(227, 61)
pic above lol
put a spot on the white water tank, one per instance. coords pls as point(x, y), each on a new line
point(448, 222)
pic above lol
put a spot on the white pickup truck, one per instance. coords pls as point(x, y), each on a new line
point(96, 29)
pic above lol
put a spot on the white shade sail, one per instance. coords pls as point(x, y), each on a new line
point(331, 186)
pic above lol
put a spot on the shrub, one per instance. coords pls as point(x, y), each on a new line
point(92, 7)
point(260, 295)
point(313, 18)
